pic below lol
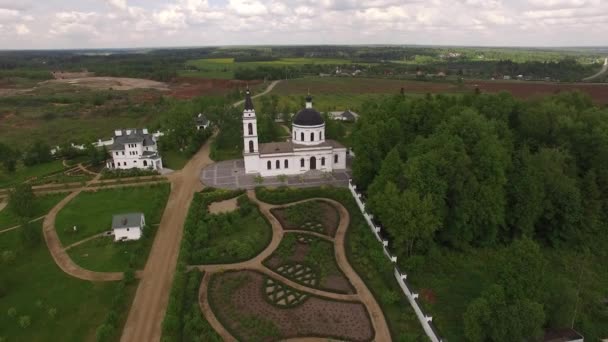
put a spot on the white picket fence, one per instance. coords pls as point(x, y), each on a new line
point(426, 321)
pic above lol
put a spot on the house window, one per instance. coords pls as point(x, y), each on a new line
point(323, 161)
point(302, 162)
point(145, 163)
point(269, 165)
point(286, 164)
point(278, 164)
point(123, 153)
point(250, 146)
point(312, 136)
point(250, 128)
point(336, 158)
point(302, 136)
point(116, 153)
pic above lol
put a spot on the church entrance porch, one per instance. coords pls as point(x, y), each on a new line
point(313, 163)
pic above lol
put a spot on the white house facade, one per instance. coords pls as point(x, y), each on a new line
point(134, 148)
point(201, 122)
point(127, 227)
point(306, 150)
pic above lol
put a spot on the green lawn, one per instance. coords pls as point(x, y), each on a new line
point(32, 284)
point(91, 212)
point(42, 205)
point(174, 160)
point(24, 173)
point(104, 255)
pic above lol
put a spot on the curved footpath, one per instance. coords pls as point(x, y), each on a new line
point(382, 332)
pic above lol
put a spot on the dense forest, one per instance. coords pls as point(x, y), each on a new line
point(447, 173)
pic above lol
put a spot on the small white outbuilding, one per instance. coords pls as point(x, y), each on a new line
point(127, 227)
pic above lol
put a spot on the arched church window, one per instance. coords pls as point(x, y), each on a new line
point(322, 161)
point(250, 128)
point(278, 164)
point(302, 162)
point(294, 135)
point(286, 163)
point(269, 165)
point(321, 135)
point(312, 136)
point(336, 158)
point(250, 146)
point(302, 136)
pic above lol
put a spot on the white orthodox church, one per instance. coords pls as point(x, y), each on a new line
point(306, 150)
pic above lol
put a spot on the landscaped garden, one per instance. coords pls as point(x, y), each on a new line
point(316, 216)
point(365, 255)
point(38, 302)
point(310, 261)
point(254, 307)
point(227, 237)
point(41, 205)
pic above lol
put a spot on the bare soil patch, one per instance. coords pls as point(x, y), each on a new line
point(237, 306)
point(312, 215)
point(223, 206)
point(530, 90)
point(114, 83)
point(189, 87)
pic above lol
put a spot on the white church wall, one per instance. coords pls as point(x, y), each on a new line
point(317, 131)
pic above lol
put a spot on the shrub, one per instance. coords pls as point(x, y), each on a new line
point(12, 312)
point(8, 257)
point(52, 312)
point(25, 321)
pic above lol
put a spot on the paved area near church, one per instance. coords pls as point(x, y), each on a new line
point(230, 174)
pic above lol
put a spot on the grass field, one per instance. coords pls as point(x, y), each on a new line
point(448, 284)
point(24, 173)
point(91, 212)
point(33, 285)
point(224, 67)
point(104, 255)
point(42, 205)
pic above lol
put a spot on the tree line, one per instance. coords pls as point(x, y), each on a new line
point(488, 171)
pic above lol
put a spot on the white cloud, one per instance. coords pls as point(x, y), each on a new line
point(125, 23)
point(22, 29)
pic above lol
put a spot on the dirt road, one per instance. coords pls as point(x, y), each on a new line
point(600, 73)
point(150, 302)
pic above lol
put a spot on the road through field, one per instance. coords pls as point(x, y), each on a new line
point(600, 73)
point(150, 303)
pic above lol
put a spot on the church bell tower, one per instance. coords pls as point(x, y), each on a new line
point(250, 127)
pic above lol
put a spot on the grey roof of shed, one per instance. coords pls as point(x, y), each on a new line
point(126, 220)
point(136, 136)
point(201, 119)
point(348, 116)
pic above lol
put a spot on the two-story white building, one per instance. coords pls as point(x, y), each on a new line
point(134, 148)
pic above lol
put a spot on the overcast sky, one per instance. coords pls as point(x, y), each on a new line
point(44, 24)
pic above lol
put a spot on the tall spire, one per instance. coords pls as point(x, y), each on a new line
point(248, 100)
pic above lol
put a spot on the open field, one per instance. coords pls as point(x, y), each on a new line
point(91, 212)
point(34, 286)
point(114, 83)
point(42, 204)
point(341, 90)
point(224, 68)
